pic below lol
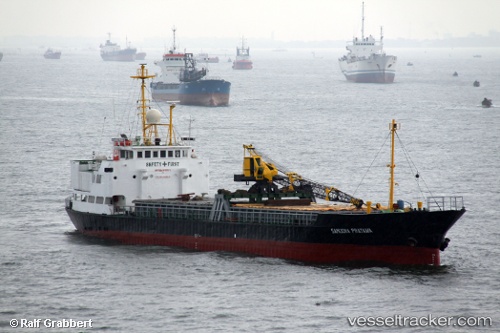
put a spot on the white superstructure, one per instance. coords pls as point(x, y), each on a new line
point(171, 65)
point(146, 166)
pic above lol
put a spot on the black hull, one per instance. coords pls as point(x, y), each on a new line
point(393, 238)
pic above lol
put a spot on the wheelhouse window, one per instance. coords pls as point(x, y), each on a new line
point(163, 153)
point(139, 154)
point(155, 153)
point(147, 154)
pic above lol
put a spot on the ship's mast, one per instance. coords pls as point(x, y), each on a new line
point(170, 125)
point(362, 21)
point(381, 36)
point(142, 74)
point(173, 45)
point(393, 128)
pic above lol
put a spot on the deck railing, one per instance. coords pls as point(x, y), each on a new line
point(445, 203)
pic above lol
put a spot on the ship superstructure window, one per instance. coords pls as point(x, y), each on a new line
point(127, 154)
point(170, 153)
point(177, 153)
point(184, 153)
point(99, 200)
point(91, 199)
point(147, 154)
point(107, 200)
point(163, 153)
point(155, 153)
point(139, 154)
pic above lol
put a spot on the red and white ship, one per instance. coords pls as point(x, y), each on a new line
point(242, 60)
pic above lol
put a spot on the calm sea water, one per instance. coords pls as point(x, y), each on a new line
point(300, 111)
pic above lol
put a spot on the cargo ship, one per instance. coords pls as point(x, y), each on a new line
point(52, 54)
point(181, 80)
point(366, 61)
point(153, 189)
point(197, 89)
point(113, 52)
point(242, 60)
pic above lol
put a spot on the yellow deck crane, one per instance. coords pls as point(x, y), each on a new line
point(266, 175)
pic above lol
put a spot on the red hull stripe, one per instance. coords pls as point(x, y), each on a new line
point(309, 252)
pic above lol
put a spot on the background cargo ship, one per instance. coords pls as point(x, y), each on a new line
point(154, 190)
point(367, 61)
point(180, 80)
point(113, 52)
point(52, 54)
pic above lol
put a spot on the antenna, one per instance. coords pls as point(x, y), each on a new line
point(173, 45)
point(362, 21)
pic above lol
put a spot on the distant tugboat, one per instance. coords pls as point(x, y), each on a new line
point(366, 61)
point(51, 54)
point(242, 60)
point(152, 189)
point(113, 52)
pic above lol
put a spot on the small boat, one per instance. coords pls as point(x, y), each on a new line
point(476, 83)
point(409, 64)
point(486, 103)
point(52, 54)
point(113, 52)
point(152, 189)
point(367, 61)
point(242, 60)
point(455, 74)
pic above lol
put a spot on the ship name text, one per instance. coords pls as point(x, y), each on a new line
point(351, 231)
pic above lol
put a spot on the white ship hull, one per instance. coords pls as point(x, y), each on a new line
point(374, 69)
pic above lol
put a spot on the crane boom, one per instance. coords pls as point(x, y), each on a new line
point(257, 167)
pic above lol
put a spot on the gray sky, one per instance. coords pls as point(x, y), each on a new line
point(283, 20)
